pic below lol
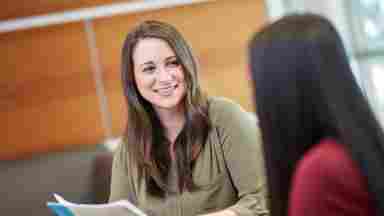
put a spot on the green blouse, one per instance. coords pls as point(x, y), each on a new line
point(229, 169)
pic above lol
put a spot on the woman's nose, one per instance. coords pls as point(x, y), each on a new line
point(164, 75)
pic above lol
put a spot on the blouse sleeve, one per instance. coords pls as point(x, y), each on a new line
point(121, 187)
point(241, 143)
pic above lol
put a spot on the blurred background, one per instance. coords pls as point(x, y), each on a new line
point(60, 60)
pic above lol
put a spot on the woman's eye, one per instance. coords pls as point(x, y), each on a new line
point(149, 69)
point(173, 63)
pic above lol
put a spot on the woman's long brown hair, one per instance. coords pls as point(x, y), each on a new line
point(144, 137)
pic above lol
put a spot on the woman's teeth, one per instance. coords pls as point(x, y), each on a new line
point(166, 91)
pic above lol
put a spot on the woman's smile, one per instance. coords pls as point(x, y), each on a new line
point(166, 90)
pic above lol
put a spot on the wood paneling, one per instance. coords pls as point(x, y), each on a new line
point(47, 93)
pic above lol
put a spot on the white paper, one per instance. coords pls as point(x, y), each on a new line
point(117, 208)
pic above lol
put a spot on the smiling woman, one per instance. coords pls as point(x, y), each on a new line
point(158, 74)
point(178, 154)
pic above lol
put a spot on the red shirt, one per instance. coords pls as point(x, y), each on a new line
point(327, 182)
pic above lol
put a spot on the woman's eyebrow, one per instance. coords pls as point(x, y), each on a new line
point(170, 57)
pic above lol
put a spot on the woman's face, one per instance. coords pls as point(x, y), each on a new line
point(158, 74)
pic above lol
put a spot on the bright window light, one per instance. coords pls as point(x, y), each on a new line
point(371, 29)
point(378, 81)
point(368, 3)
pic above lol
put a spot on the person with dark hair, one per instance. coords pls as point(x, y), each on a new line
point(183, 153)
point(323, 147)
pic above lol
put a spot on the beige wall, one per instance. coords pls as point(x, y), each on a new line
point(47, 93)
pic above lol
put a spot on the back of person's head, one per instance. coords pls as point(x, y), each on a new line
point(305, 91)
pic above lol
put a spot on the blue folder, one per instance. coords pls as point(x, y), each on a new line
point(59, 209)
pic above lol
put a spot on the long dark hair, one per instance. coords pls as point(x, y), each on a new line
point(144, 137)
point(305, 91)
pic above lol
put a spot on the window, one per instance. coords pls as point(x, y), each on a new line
point(367, 33)
point(367, 25)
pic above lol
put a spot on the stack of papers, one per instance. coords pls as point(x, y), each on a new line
point(118, 208)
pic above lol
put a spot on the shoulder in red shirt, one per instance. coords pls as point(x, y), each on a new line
point(328, 182)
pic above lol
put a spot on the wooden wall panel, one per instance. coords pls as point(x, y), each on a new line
point(218, 32)
point(47, 93)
